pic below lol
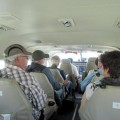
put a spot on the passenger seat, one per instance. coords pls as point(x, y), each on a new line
point(57, 75)
point(66, 66)
point(48, 89)
point(103, 105)
point(13, 103)
point(59, 78)
point(90, 66)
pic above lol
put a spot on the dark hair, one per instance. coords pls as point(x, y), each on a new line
point(96, 61)
point(111, 60)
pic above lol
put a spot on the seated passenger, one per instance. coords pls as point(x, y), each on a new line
point(17, 58)
point(74, 69)
point(110, 66)
point(89, 77)
point(55, 63)
point(37, 65)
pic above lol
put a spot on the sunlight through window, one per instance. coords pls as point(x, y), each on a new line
point(2, 64)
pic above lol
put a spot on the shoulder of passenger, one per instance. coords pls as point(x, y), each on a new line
point(91, 86)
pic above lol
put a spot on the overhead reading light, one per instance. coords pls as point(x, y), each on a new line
point(67, 22)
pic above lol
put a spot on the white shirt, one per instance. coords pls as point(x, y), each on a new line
point(74, 70)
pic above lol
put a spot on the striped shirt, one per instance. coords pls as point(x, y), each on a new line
point(30, 87)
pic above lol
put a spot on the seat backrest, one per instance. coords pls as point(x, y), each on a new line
point(103, 105)
point(66, 66)
point(44, 83)
point(13, 103)
point(57, 75)
point(91, 64)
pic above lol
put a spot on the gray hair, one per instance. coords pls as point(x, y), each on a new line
point(12, 58)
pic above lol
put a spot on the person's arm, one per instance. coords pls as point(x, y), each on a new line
point(87, 80)
point(39, 96)
point(76, 71)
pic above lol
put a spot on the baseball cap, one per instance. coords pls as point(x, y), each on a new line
point(14, 50)
point(38, 55)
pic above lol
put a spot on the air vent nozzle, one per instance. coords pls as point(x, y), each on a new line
point(67, 22)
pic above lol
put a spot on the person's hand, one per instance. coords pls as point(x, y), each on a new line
point(65, 82)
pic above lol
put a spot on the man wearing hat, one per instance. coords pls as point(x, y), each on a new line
point(17, 58)
point(37, 65)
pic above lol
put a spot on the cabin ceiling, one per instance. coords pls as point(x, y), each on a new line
point(35, 24)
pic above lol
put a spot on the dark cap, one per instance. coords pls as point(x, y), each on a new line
point(15, 49)
point(38, 55)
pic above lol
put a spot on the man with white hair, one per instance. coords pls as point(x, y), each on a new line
point(67, 83)
point(17, 58)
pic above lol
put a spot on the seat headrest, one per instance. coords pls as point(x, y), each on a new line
point(64, 61)
point(91, 59)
